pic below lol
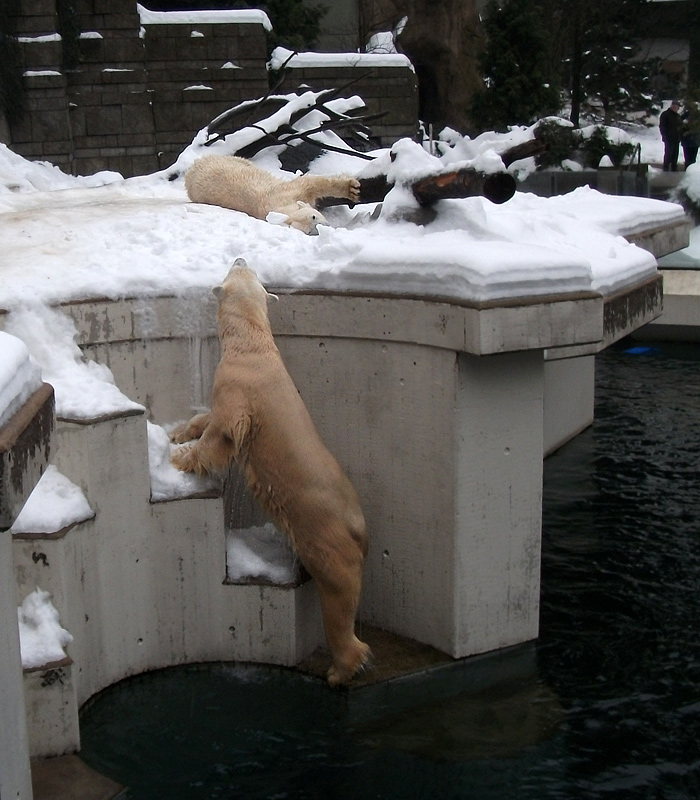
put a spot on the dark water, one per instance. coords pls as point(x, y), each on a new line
point(605, 705)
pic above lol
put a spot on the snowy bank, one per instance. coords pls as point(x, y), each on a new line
point(20, 376)
point(142, 237)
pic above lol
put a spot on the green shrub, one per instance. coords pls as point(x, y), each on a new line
point(562, 141)
point(598, 145)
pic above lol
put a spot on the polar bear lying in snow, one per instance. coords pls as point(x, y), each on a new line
point(258, 419)
point(236, 183)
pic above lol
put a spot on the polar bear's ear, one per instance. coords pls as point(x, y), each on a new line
point(216, 291)
point(302, 204)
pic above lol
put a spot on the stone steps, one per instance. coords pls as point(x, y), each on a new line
point(141, 585)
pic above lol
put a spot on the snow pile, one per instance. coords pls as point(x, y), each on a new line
point(20, 376)
point(18, 175)
point(41, 636)
point(382, 42)
point(691, 181)
point(83, 389)
point(167, 482)
point(260, 553)
point(55, 503)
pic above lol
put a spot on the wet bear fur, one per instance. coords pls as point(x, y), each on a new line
point(259, 420)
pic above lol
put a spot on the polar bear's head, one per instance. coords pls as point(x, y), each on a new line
point(305, 218)
point(242, 286)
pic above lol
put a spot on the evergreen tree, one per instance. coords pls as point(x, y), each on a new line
point(517, 88)
point(295, 25)
point(595, 43)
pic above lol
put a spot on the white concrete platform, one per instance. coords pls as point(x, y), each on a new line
point(440, 414)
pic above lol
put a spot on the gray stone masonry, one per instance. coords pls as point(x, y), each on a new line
point(140, 94)
point(392, 91)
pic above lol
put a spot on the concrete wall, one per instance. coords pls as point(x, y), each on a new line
point(680, 320)
point(392, 91)
point(569, 399)
point(25, 442)
point(436, 411)
point(15, 777)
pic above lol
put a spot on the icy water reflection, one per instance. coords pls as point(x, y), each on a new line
point(606, 705)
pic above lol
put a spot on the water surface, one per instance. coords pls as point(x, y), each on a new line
point(606, 704)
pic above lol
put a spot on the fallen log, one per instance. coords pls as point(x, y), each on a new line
point(497, 187)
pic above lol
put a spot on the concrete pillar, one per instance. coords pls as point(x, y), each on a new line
point(25, 443)
point(15, 774)
point(498, 509)
point(569, 399)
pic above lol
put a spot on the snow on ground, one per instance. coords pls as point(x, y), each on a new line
point(55, 503)
point(260, 553)
point(67, 238)
point(167, 482)
point(83, 389)
point(142, 237)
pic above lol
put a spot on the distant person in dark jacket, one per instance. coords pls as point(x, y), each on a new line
point(671, 127)
point(691, 133)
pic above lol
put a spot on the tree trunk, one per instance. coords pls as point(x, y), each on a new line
point(443, 39)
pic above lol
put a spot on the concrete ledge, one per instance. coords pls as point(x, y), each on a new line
point(70, 778)
point(680, 320)
point(665, 239)
point(25, 443)
point(52, 709)
point(622, 313)
point(530, 323)
point(628, 310)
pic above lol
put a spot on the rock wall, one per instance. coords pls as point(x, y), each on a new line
point(443, 39)
point(129, 105)
point(143, 86)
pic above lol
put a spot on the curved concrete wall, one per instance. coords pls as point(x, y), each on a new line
point(436, 412)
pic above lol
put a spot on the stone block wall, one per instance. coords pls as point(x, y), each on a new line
point(139, 93)
point(391, 91)
point(143, 88)
point(197, 71)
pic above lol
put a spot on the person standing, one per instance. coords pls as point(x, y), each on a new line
point(670, 127)
point(691, 133)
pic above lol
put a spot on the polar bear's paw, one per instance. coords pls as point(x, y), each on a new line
point(359, 659)
point(186, 431)
point(353, 190)
point(187, 459)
